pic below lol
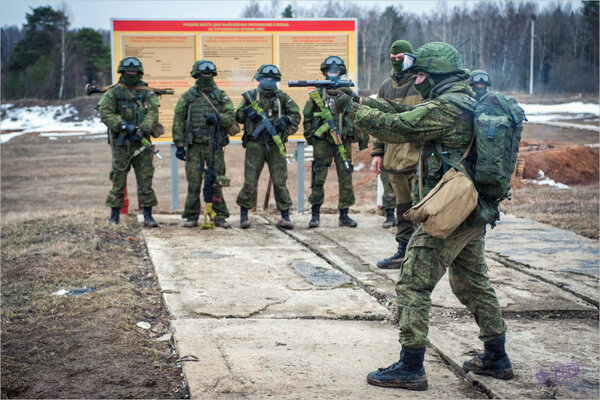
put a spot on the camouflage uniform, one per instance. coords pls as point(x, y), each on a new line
point(388, 199)
point(436, 122)
point(263, 149)
point(325, 150)
point(117, 106)
point(191, 131)
point(399, 160)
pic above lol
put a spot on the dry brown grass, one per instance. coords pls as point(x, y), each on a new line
point(85, 346)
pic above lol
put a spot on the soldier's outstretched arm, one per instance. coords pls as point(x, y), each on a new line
point(385, 105)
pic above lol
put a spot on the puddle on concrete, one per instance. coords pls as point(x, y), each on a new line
point(319, 276)
point(205, 254)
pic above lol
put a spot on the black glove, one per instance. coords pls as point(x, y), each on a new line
point(282, 123)
point(251, 114)
point(212, 119)
point(341, 100)
point(180, 153)
point(129, 128)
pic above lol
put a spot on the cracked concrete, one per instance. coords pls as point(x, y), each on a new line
point(307, 314)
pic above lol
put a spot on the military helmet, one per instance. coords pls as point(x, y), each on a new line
point(267, 71)
point(203, 66)
point(435, 58)
point(130, 64)
point(331, 61)
point(480, 76)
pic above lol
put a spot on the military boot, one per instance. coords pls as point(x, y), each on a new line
point(395, 261)
point(285, 222)
point(493, 362)
point(221, 223)
point(190, 223)
point(407, 373)
point(114, 215)
point(148, 220)
point(244, 223)
point(315, 218)
point(345, 220)
point(389, 218)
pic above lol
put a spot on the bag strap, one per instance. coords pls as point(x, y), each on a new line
point(209, 102)
point(456, 164)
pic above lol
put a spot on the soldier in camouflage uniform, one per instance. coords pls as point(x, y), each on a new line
point(196, 113)
point(480, 80)
point(388, 198)
point(398, 159)
point(441, 123)
point(130, 109)
point(325, 150)
point(284, 115)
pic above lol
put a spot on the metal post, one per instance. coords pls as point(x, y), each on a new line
point(174, 179)
point(531, 55)
point(300, 176)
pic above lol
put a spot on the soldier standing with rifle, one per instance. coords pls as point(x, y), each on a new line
point(323, 129)
point(269, 115)
point(398, 159)
point(204, 107)
point(130, 111)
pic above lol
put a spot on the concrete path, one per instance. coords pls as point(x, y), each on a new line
point(307, 314)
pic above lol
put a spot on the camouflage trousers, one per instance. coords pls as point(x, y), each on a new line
point(401, 183)
point(122, 162)
point(257, 154)
point(427, 259)
point(197, 158)
point(388, 200)
point(323, 154)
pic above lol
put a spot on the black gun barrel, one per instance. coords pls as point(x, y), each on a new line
point(321, 84)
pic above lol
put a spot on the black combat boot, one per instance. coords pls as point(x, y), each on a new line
point(493, 362)
point(148, 220)
point(407, 373)
point(285, 222)
point(114, 215)
point(345, 220)
point(190, 223)
point(221, 223)
point(244, 223)
point(390, 220)
point(395, 261)
point(315, 218)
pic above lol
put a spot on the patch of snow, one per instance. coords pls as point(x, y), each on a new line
point(359, 167)
point(565, 108)
point(542, 179)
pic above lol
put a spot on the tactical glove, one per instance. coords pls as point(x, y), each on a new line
point(251, 114)
point(129, 128)
point(213, 119)
point(180, 153)
point(341, 100)
point(282, 123)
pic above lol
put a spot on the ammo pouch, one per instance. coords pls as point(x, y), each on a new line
point(158, 130)
point(233, 129)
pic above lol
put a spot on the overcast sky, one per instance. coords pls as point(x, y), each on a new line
point(97, 14)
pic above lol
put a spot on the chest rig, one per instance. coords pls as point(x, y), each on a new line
point(131, 104)
point(199, 107)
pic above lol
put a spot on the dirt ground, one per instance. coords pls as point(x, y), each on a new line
point(54, 236)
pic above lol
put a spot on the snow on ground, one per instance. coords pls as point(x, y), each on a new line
point(557, 112)
point(52, 120)
point(542, 179)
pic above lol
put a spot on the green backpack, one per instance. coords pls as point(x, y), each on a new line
point(497, 125)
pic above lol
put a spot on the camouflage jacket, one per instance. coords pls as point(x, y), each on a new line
point(120, 104)
point(189, 120)
point(343, 123)
point(436, 122)
point(275, 104)
point(398, 157)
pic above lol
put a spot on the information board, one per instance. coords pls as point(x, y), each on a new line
point(169, 48)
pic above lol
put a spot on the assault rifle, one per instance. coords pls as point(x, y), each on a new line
point(91, 89)
point(264, 124)
point(321, 84)
point(145, 144)
point(210, 176)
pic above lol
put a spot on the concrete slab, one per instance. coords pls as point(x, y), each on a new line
point(516, 291)
point(299, 359)
point(565, 351)
point(242, 273)
point(544, 247)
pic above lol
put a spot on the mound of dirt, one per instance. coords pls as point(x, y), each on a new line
point(573, 165)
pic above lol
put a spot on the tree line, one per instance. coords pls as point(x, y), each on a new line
point(45, 59)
